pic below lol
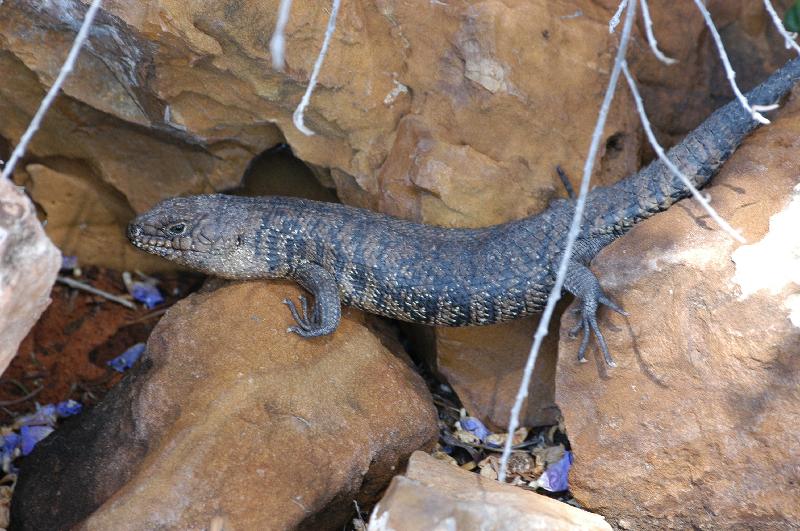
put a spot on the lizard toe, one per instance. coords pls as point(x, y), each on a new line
point(303, 322)
point(584, 342)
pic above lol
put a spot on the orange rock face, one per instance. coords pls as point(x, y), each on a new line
point(484, 366)
point(229, 415)
point(696, 427)
point(169, 99)
point(447, 112)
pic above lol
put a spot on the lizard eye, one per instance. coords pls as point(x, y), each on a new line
point(177, 229)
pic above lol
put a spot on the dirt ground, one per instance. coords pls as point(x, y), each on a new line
point(65, 354)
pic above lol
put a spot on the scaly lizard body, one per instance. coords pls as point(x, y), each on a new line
point(433, 275)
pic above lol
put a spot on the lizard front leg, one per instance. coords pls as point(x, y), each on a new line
point(327, 309)
point(582, 283)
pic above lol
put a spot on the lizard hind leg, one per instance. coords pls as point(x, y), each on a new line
point(582, 283)
point(326, 312)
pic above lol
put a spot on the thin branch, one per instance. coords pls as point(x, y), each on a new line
point(555, 293)
point(614, 22)
point(668, 163)
point(69, 63)
point(14, 402)
point(727, 64)
point(277, 44)
point(71, 282)
point(651, 38)
point(297, 117)
point(790, 40)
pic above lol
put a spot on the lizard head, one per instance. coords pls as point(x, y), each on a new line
point(203, 232)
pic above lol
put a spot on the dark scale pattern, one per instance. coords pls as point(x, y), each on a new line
point(427, 274)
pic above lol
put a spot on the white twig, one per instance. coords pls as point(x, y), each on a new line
point(71, 282)
point(277, 43)
point(614, 22)
point(297, 117)
point(555, 293)
point(668, 163)
point(727, 64)
point(790, 40)
point(69, 63)
point(651, 38)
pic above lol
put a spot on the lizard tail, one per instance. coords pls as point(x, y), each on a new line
point(615, 209)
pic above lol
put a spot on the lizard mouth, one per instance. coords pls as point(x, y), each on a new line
point(167, 247)
point(152, 244)
point(155, 245)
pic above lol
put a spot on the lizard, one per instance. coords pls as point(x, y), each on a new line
point(429, 274)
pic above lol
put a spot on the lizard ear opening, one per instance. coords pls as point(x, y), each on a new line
point(239, 240)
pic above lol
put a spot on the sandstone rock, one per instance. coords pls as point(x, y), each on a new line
point(229, 416)
point(455, 113)
point(696, 427)
point(484, 366)
point(437, 495)
point(84, 217)
point(29, 263)
point(171, 99)
point(680, 96)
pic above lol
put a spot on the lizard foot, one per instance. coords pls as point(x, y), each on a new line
point(588, 324)
point(323, 317)
point(582, 283)
point(306, 323)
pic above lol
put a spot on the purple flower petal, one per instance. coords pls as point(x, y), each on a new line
point(475, 427)
point(147, 294)
point(126, 360)
point(31, 435)
point(10, 442)
point(69, 262)
point(555, 478)
point(68, 408)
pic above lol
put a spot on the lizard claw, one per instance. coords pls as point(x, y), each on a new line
point(602, 299)
point(583, 284)
point(588, 324)
point(303, 332)
point(305, 322)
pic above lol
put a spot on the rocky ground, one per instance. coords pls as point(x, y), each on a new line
point(452, 113)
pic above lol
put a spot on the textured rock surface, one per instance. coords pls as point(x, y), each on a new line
point(228, 415)
point(453, 113)
point(413, 103)
point(170, 98)
point(681, 96)
point(484, 367)
point(697, 426)
point(84, 217)
point(29, 263)
point(437, 495)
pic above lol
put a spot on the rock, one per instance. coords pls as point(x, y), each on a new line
point(228, 415)
point(680, 96)
point(84, 217)
point(171, 99)
point(454, 114)
point(696, 427)
point(29, 263)
point(484, 367)
point(437, 495)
